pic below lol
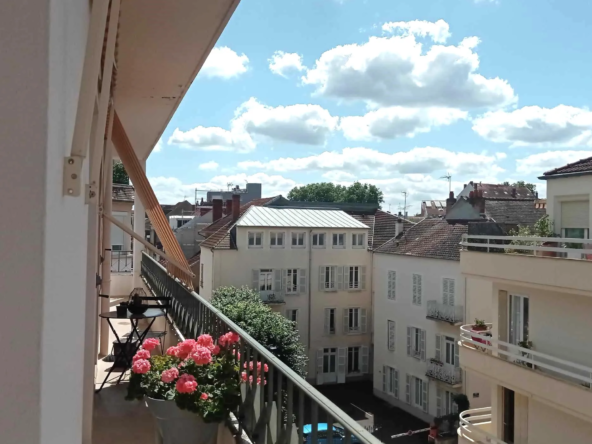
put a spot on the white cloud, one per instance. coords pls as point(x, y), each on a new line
point(396, 71)
point(439, 31)
point(392, 122)
point(225, 63)
point(213, 139)
point(209, 166)
point(172, 189)
point(562, 126)
point(542, 162)
point(283, 63)
point(369, 161)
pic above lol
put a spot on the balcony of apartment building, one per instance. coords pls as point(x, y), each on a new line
point(451, 314)
point(475, 427)
point(445, 373)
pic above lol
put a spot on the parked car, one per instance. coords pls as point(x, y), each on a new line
point(338, 434)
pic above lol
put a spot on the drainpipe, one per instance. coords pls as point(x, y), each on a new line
point(106, 265)
point(310, 287)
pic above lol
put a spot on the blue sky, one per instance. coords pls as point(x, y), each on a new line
point(391, 92)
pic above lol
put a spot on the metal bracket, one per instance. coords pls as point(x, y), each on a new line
point(72, 180)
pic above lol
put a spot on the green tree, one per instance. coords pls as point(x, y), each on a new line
point(521, 183)
point(270, 329)
point(329, 192)
point(119, 173)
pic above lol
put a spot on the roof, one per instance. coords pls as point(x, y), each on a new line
point(182, 208)
point(580, 167)
point(434, 208)
point(431, 238)
point(348, 207)
point(294, 217)
point(499, 191)
point(122, 192)
point(515, 212)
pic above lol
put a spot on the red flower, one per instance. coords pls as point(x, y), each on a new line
point(186, 384)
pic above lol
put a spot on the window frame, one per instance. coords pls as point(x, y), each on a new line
point(254, 235)
point(358, 269)
point(290, 273)
point(355, 238)
point(332, 278)
point(337, 246)
point(354, 315)
point(274, 236)
point(417, 289)
point(356, 351)
point(317, 236)
point(290, 312)
point(295, 235)
point(418, 393)
point(333, 317)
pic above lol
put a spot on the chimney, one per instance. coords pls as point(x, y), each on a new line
point(399, 227)
point(514, 192)
point(477, 200)
point(217, 209)
point(228, 207)
point(203, 211)
point(235, 207)
point(450, 201)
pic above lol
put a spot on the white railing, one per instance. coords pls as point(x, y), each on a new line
point(527, 357)
point(472, 425)
point(272, 297)
point(571, 248)
point(444, 372)
point(447, 313)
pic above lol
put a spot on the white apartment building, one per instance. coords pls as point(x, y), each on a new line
point(314, 267)
point(419, 305)
point(538, 357)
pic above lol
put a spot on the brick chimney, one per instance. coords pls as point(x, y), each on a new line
point(235, 207)
point(450, 201)
point(513, 191)
point(216, 209)
point(399, 227)
point(228, 207)
point(477, 200)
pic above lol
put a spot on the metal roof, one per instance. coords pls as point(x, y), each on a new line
point(292, 217)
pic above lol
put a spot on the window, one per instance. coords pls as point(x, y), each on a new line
point(448, 291)
point(354, 320)
point(318, 240)
point(255, 240)
point(390, 381)
point(298, 240)
point(276, 240)
point(329, 321)
point(449, 353)
point(391, 335)
point(356, 277)
point(292, 314)
point(392, 285)
point(420, 394)
point(449, 404)
point(416, 343)
point(265, 280)
point(417, 290)
point(576, 233)
point(353, 359)
point(201, 275)
point(328, 278)
point(292, 281)
point(358, 240)
point(329, 360)
point(339, 240)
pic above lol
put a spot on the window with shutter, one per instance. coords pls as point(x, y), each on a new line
point(448, 291)
point(438, 347)
point(327, 278)
point(425, 396)
point(423, 344)
point(396, 384)
point(329, 321)
point(302, 288)
point(392, 285)
point(439, 411)
point(292, 281)
point(417, 289)
point(363, 320)
point(391, 335)
point(408, 389)
point(339, 277)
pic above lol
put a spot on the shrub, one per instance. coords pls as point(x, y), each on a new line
point(273, 331)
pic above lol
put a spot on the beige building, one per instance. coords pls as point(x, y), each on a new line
point(536, 349)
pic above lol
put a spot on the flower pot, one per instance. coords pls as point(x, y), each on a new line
point(178, 426)
point(480, 333)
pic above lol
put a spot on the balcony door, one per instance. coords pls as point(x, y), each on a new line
point(518, 319)
point(508, 403)
point(330, 365)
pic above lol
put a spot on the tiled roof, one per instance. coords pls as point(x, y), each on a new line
point(500, 191)
point(581, 166)
point(123, 192)
point(432, 238)
point(515, 212)
point(182, 208)
point(434, 208)
point(382, 227)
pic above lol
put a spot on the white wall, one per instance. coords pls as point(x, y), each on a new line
point(235, 267)
point(565, 189)
point(405, 313)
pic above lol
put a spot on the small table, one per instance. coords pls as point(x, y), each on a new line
point(151, 313)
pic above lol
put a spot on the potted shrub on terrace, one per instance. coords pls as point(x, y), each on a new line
point(191, 389)
point(480, 329)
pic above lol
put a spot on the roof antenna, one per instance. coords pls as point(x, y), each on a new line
point(449, 177)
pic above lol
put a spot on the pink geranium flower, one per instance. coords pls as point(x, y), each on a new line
point(244, 376)
point(141, 354)
point(228, 339)
point(204, 396)
point(170, 375)
point(215, 350)
point(141, 366)
point(206, 341)
point(173, 351)
point(150, 344)
point(186, 383)
point(185, 348)
point(237, 354)
point(201, 355)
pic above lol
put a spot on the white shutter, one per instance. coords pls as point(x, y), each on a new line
point(364, 351)
point(445, 291)
point(285, 279)
point(409, 332)
point(345, 321)
point(362, 278)
point(339, 278)
point(277, 278)
point(255, 280)
point(408, 389)
point(321, 278)
point(439, 347)
point(392, 285)
point(419, 289)
point(415, 289)
point(319, 366)
point(424, 386)
point(391, 335)
point(396, 384)
point(575, 214)
point(384, 381)
point(451, 291)
point(341, 358)
point(302, 280)
point(456, 358)
point(363, 319)
point(327, 320)
point(438, 402)
point(423, 344)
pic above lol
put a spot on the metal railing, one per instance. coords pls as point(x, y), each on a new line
point(471, 426)
point(122, 261)
point(272, 297)
point(444, 372)
point(560, 247)
point(527, 357)
point(452, 314)
point(274, 413)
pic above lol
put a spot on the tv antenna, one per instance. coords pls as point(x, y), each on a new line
point(229, 185)
point(449, 178)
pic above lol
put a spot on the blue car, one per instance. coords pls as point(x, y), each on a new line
point(338, 434)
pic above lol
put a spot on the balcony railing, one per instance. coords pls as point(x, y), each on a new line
point(475, 427)
point(272, 297)
point(122, 261)
point(257, 414)
point(559, 247)
point(453, 314)
point(527, 357)
point(444, 372)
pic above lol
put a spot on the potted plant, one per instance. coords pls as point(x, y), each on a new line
point(191, 389)
point(480, 329)
point(528, 345)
